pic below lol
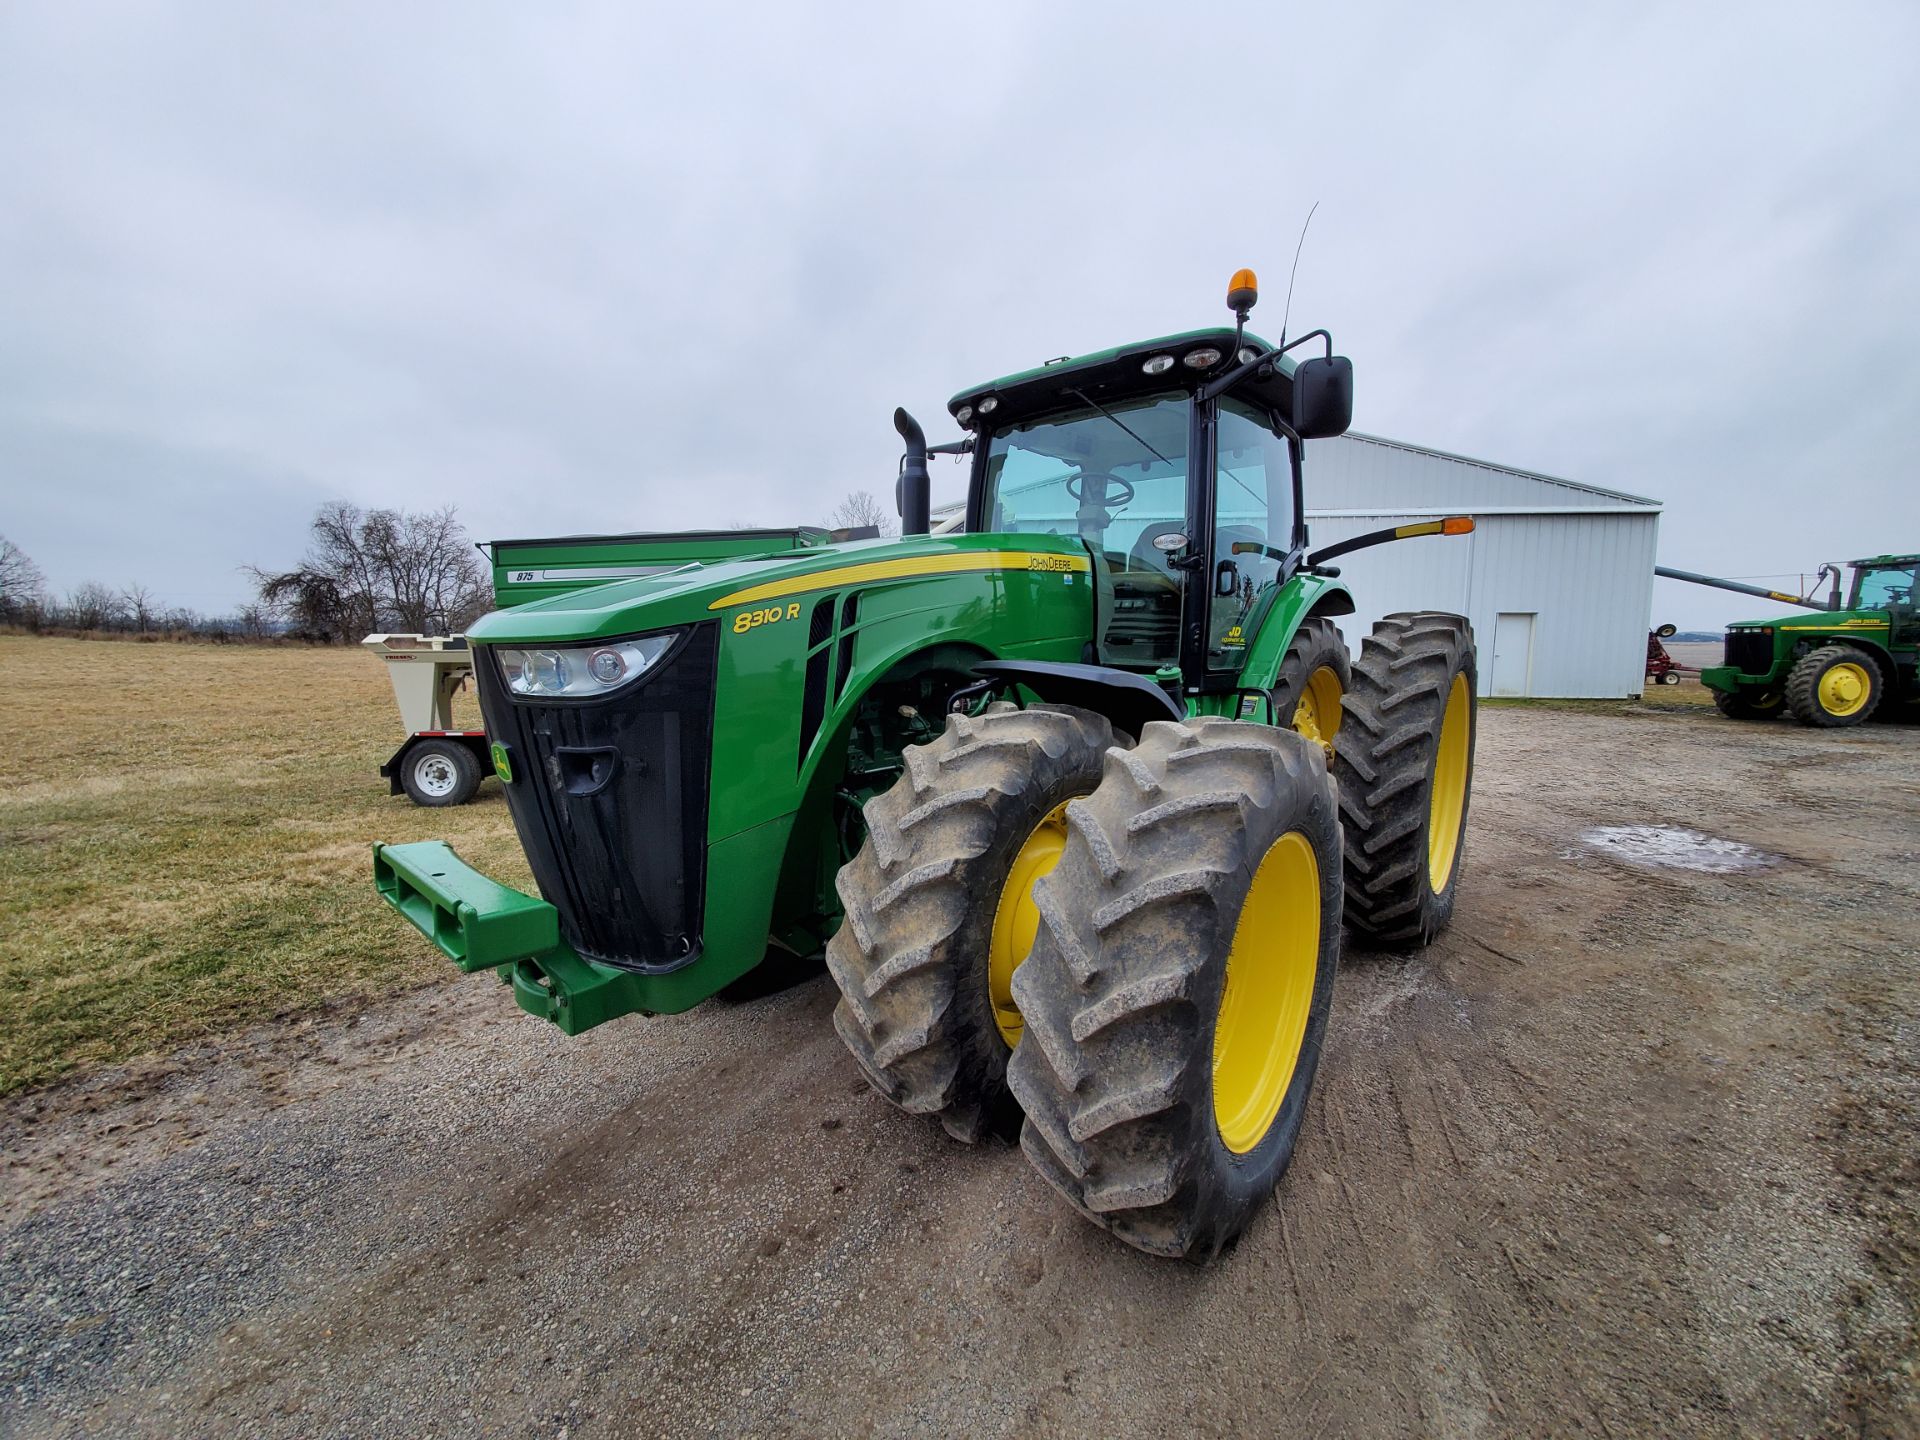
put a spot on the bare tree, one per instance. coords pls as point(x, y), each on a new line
point(22, 586)
point(253, 621)
point(372, 570)
point(91, 606)
point(860, 508)
point(136, 603)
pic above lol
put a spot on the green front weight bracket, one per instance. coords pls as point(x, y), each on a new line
point(481, 924)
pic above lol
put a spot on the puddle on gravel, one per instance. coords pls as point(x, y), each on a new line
point(1670, 847)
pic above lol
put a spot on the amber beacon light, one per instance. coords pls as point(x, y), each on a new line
point(1243, 290)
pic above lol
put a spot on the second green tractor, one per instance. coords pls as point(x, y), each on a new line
point(1075, 801)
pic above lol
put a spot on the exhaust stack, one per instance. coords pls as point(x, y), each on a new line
point(912, 492)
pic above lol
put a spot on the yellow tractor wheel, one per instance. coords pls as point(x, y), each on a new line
point(1313, 678)
point(1404, 760)
point(939, 908)
point(1177, 994)
point(1833, 686)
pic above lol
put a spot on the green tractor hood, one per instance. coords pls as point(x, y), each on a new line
point(706, 591)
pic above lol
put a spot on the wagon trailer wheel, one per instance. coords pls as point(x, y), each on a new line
point(438, 773)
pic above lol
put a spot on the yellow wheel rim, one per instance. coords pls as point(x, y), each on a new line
point(1016, 918)
point(1447, 805)
point(1845, 688)
point(1317, 716)
point(1269, 993)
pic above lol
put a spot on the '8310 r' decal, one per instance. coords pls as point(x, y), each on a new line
point(748, 619)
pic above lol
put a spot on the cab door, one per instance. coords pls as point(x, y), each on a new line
point(1903, 613)
point(1252, 505)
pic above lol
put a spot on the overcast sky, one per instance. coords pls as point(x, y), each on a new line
point(577, 268)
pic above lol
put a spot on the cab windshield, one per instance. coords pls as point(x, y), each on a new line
point(1115, 477)
point(1879, 589)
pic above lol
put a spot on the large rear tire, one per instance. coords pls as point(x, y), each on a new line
point(940, 891)
point(1177, 993)
point(1314, 676)
point(1834, 686)
point(1404, 760)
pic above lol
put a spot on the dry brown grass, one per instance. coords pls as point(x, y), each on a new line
point(184, 844)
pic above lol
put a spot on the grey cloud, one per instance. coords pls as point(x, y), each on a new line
point(611, 269)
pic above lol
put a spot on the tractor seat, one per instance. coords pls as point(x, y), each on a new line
point(1144, 556)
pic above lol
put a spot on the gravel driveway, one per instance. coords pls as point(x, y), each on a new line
point(1630, 1151)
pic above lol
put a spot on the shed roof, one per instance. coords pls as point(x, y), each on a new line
point(1582, 495)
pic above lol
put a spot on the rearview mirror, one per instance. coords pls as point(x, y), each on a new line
point(1323, 396)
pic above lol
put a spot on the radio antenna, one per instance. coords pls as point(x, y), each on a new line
point(1288, 311)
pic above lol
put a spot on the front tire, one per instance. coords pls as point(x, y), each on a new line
point(1404, 761)
point(1177, 993)
point(1749, 704)
point(1833, 686)
point(939, 891)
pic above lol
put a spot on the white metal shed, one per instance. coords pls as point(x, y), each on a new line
point(1557, 576)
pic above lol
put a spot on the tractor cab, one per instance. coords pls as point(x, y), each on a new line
point(1886, 582)
point(1121, 477)
point(1177, 463)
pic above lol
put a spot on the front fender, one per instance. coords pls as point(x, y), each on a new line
point(1301, 598)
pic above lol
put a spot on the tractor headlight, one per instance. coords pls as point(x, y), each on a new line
point(582, 671)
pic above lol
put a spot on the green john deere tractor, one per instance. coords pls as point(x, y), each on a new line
point(1074, 802)
point(1838, 666)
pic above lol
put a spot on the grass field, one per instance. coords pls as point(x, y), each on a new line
point(184, 837)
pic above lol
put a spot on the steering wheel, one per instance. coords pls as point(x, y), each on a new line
point(1076, 488)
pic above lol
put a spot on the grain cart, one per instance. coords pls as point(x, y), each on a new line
point(1054, 794)
point(1832, 668)
point(438, 763)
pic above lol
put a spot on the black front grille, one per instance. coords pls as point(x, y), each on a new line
point(622, 857)
point(1750, 652)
